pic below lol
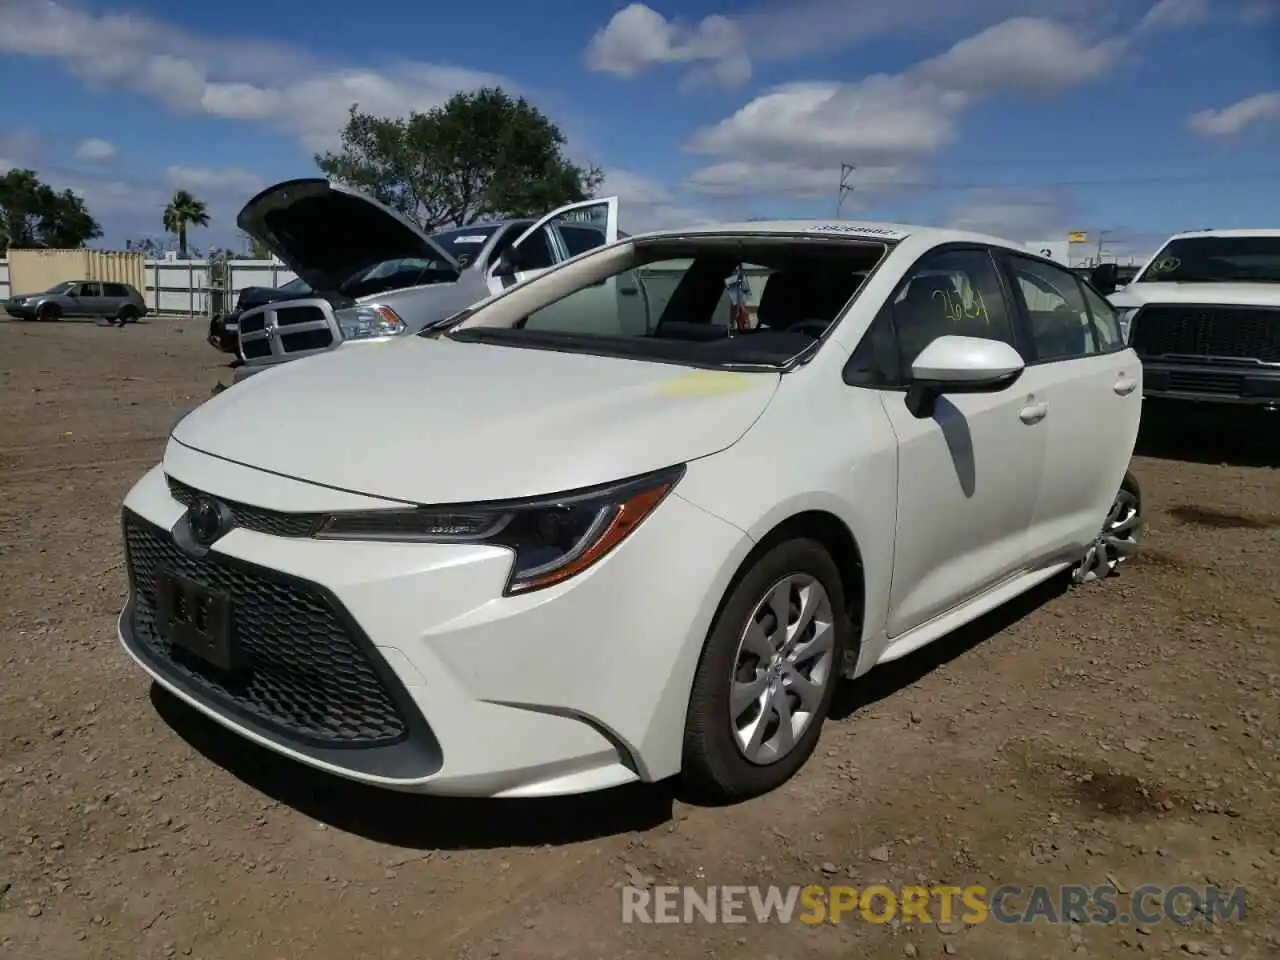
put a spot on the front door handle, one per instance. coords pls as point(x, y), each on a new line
point(1033, 412)
point(1125, 386)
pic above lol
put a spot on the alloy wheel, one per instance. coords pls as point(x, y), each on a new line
point(782, 668)
point(1116, 541)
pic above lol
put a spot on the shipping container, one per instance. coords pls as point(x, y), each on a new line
point(33, 271)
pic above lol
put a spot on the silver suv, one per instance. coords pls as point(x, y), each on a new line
point(118, 303)
point(377, 275)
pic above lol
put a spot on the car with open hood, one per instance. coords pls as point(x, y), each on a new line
point(1204, 316)
point(577, 536)
point(375, 274)
point(224, 329)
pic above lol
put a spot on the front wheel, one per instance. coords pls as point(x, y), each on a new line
point(49, 312)
point(1118, 539)
point(769, 669)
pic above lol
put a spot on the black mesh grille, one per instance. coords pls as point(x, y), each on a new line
point(1244, 333)
point(270, 522)
point(307, 676)
point(254, 349)
point(305, 340)
point(286, 316)
point(254, 323)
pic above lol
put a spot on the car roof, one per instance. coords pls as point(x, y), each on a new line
point(851, 229)
point(1241, 232)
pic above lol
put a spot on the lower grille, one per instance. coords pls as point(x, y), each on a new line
point(1224, 384)
point(308, 676)
point(1242, 333)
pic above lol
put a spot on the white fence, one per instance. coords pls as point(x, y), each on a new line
point(181, 287)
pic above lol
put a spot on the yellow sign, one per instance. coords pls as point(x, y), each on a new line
point(1077, 236)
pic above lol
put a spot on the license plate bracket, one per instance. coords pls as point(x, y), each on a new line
point(196, 619)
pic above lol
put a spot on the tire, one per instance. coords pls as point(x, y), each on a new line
point(127, 315)
point(49, 312)
point(716, 765)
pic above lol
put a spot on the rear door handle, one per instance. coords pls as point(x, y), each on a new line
point(1125, 386)
point(1033, 412)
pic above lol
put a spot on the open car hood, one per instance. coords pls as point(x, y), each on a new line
point(325, 232)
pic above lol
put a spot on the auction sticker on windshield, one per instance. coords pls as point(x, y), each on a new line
point(471, 238)
point(858, 230)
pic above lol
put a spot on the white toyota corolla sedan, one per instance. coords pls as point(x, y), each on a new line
point(637, 516)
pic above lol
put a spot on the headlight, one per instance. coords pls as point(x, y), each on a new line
point(1126, 321)
point(552, 538)
point(369, 321)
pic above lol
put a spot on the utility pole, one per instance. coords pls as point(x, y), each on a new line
point(846, 171)
point(1101, 234)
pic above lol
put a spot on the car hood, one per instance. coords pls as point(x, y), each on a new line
point(326, 232)
point(1226, 294)
point(435, 421)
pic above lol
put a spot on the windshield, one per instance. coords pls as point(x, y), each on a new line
point(724, 302)
point(63, 287)
point(296, 285)
point(1216, 260)
point(465, 243)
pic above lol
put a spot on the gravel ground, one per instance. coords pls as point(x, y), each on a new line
point(1120, 734)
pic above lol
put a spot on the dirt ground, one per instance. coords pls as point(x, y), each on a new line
point(1123, 734)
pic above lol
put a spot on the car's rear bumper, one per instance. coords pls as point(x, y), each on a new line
point(1240, 384)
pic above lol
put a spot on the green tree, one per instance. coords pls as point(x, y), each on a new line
point(480, 155)
point(184, 210)
point(33, 214)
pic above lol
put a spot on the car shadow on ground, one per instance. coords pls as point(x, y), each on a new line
point(447, 823)
point(887, 679)
point(415, 821)
point(1238, 438)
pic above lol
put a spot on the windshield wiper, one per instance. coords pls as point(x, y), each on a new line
point(435, 329)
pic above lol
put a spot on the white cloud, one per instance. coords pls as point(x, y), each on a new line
point(1259, 109)
point(645, 204)
point(232, 181)
point(1023, 54)
point(885, 125)
point(1021, 215)
point(94, 150)
point(1260, 11)
point(638, 36)
point(1175, 13)
point(722, 48)
point(230, 77)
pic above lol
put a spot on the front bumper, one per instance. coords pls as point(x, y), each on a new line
point(1240, 384)
point(577, 687)
point(20, 311)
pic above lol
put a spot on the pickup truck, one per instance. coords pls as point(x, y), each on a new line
point(1204, 317)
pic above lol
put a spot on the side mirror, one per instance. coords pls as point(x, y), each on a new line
point(1105, 278)
point(952, 364)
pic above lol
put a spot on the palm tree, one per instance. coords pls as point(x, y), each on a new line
point(182, 210)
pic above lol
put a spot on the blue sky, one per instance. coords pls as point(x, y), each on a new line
point(1023, 117)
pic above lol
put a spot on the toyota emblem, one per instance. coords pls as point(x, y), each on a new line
point(207, 519)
